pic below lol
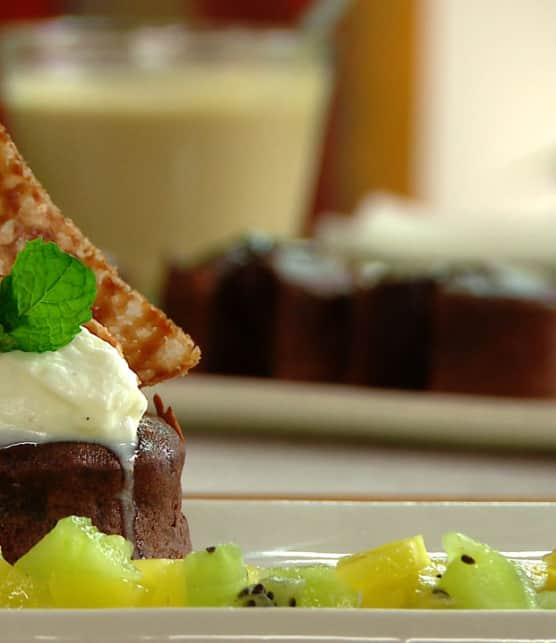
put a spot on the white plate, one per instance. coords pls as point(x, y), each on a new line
point(291, 528)
point(267, 406)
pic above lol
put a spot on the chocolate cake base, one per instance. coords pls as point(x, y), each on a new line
point(39, 484)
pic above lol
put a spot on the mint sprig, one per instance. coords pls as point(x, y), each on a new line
point(45, 299)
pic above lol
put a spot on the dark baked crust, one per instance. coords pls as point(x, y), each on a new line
point(39, 484)
point(494, 346)
point(390, 344)
point(227, 302)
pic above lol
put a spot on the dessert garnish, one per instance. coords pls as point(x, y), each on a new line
point(45, 299)
point(76, 344)
point(153, 346)
point(61, 381)
point(75, 565)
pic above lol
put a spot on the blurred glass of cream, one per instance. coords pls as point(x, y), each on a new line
point(164, 141)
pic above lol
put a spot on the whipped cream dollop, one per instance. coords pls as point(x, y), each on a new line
point(84, 391)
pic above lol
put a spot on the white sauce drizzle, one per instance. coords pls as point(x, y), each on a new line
point(84, 392)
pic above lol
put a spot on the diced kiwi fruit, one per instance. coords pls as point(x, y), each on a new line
point(163, 581)
point(83, 567)
point(547, 600)
point(315, 586)
point(286, 592)
point(214, 577)
point(17, 590)
point(479, 577)
point(430, 598)
point(272, 591)
point(76, 566)
point(550, 560)
point(255, 595)
point(387, 576)
point(254, 574)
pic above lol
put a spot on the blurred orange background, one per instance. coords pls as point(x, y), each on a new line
point(445, 100)
point(369, 140)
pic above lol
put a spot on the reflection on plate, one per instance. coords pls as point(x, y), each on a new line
point(263, 527)
point(232, 403)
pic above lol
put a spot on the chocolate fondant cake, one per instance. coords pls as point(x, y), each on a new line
point(227, 303)
point(243, 312)
point(390, 342)
point(41, 483)
point(494, 333)
point(133, 493)
point(481, 329)
point(312, 314)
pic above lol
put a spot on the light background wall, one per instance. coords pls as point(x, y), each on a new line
point(485, 129)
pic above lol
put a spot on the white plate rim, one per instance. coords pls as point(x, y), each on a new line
point(236, 404)
point(203, 625)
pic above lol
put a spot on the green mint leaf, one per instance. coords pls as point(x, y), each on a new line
point(45, 299)
point(7, 343)
point(8, 303)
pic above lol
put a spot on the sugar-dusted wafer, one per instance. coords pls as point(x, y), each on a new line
point(155, 348)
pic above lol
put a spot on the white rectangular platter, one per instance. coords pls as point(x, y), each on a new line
point(217, 403)
point(300, 530)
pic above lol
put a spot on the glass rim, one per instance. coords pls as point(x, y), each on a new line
point(167, 39)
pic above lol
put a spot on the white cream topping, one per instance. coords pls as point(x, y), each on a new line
point(84, 391)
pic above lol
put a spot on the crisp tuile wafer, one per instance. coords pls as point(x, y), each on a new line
point(154, 347)
point(167, 414)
